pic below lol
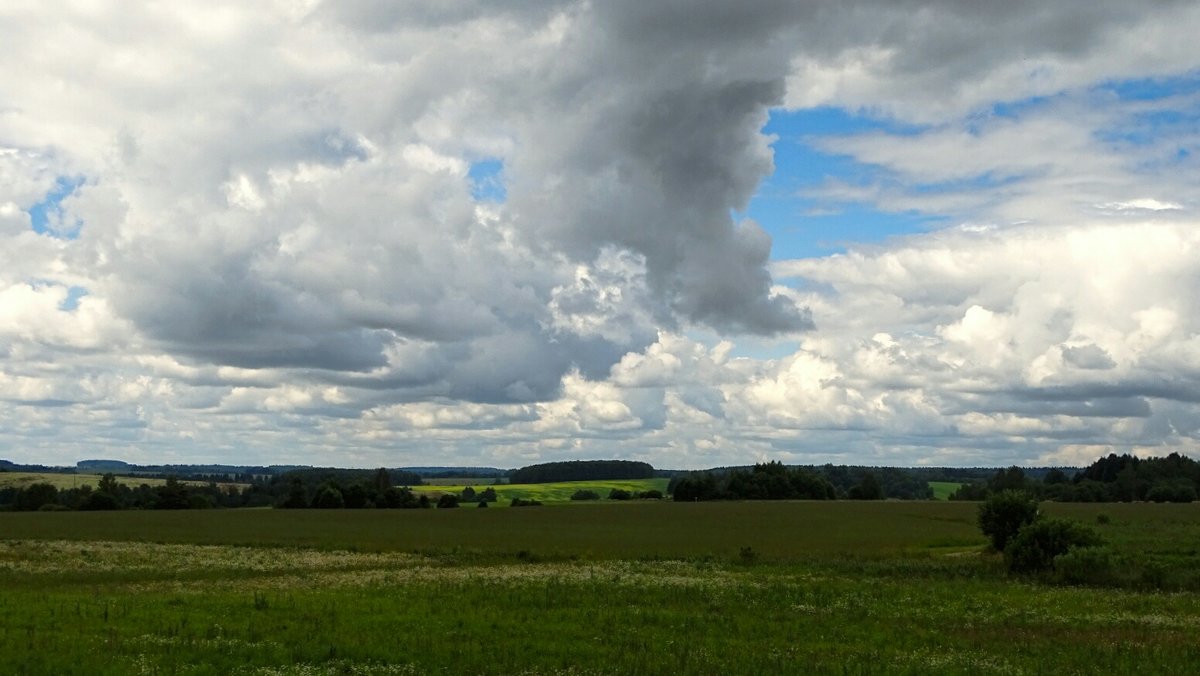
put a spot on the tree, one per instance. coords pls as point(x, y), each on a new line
point(468, 494)
point(447, 501)
point(382, 481)
point(36, 496)
point(584, 494)
point(297, 497)
point(172, 495)
point(867, 489)
point(619, 494)
point(1002, 515)
point(1036, 545)
point(329, 497)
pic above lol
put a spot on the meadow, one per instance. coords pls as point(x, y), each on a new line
point(640, 587)
point(546, 492)
point(63, 481)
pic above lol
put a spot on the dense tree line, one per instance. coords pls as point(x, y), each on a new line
point(305, 488)
point(1114, 478)
point(764, 481)
point(581, 470)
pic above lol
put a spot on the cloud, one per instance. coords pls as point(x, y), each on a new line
point(282, 255)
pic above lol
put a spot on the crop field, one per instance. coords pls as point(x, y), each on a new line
point(943, 489)
point(61, 480)
point(549, 492)
point(640, 588)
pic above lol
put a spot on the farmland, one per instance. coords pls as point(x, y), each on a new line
point(549, 492)
point(65, 480)
point(641, 587)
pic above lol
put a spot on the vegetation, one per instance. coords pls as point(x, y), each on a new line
point(762, 587)
point(581, 470)
point(764, 481)
point(1115, 478)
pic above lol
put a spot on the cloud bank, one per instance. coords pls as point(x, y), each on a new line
point(380, 233)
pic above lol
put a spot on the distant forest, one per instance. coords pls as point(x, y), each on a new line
point(1115, 478)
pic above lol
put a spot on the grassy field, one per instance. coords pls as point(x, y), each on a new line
point(62, 481)
point(943, 489)
point(550, 492)
point(636, 588)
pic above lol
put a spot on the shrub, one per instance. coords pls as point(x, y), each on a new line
point(1037, 544)
point(521, 502)
point(1003, 514)
point(652, 494)
point(481, 503)
point(329, 497)
point(583, 494)
point(1084, 565)
point(619, 494)
point(447, 501)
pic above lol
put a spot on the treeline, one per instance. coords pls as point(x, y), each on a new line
point(764, 481)
point(110, 495)
point(303, 488)
point(775, 481)
point(1115, 478)
point(581, 470)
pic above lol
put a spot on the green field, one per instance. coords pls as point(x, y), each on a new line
point(640, 588)
point(943, 489)
point(62, 481)
point(550, 492)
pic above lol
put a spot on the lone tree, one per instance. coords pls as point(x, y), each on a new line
point(1003, 514)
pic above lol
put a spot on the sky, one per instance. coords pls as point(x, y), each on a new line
point(452, 232)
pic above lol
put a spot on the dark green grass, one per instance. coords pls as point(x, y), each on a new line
point(775, 531)
point(739, 588)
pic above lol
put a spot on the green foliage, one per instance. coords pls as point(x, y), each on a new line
point(619, 494)
point(581, 470)
point(584, 494)
point(1037, 544)
point(172, 495)
point(764, 481)
point(329, 496)
point(1003, 514)
point(844, 587)
point(35, 496)
point(1092, 565)
point(447, 501)
point(867, 489)
point(521, 502)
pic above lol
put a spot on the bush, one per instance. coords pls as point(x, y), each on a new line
point(582, 494)
point(1084, 565)
point(1003, 514)
point(447, 501)
point(619, 494)
point(521, 502)
point(652, 494)
point(1037, 544)
point(329, 497)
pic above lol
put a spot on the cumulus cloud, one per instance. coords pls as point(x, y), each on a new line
point(253, 232)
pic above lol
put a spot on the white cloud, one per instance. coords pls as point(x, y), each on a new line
point(280, 258)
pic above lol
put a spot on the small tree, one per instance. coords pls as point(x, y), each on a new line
point(329, 497)
point(619, 494)
point(1036, 545)
point(1002, 515)
point(447, 501)
point(584, 494)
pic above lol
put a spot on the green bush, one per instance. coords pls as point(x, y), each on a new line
point(583, 494)
point(1085, 565)
point(447, 501)
point(1003, 514)
point(1037, 544)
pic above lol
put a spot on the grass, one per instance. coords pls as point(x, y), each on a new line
point(942, 490)
point(62, 480)
point(549, 492)
point(635, 588)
